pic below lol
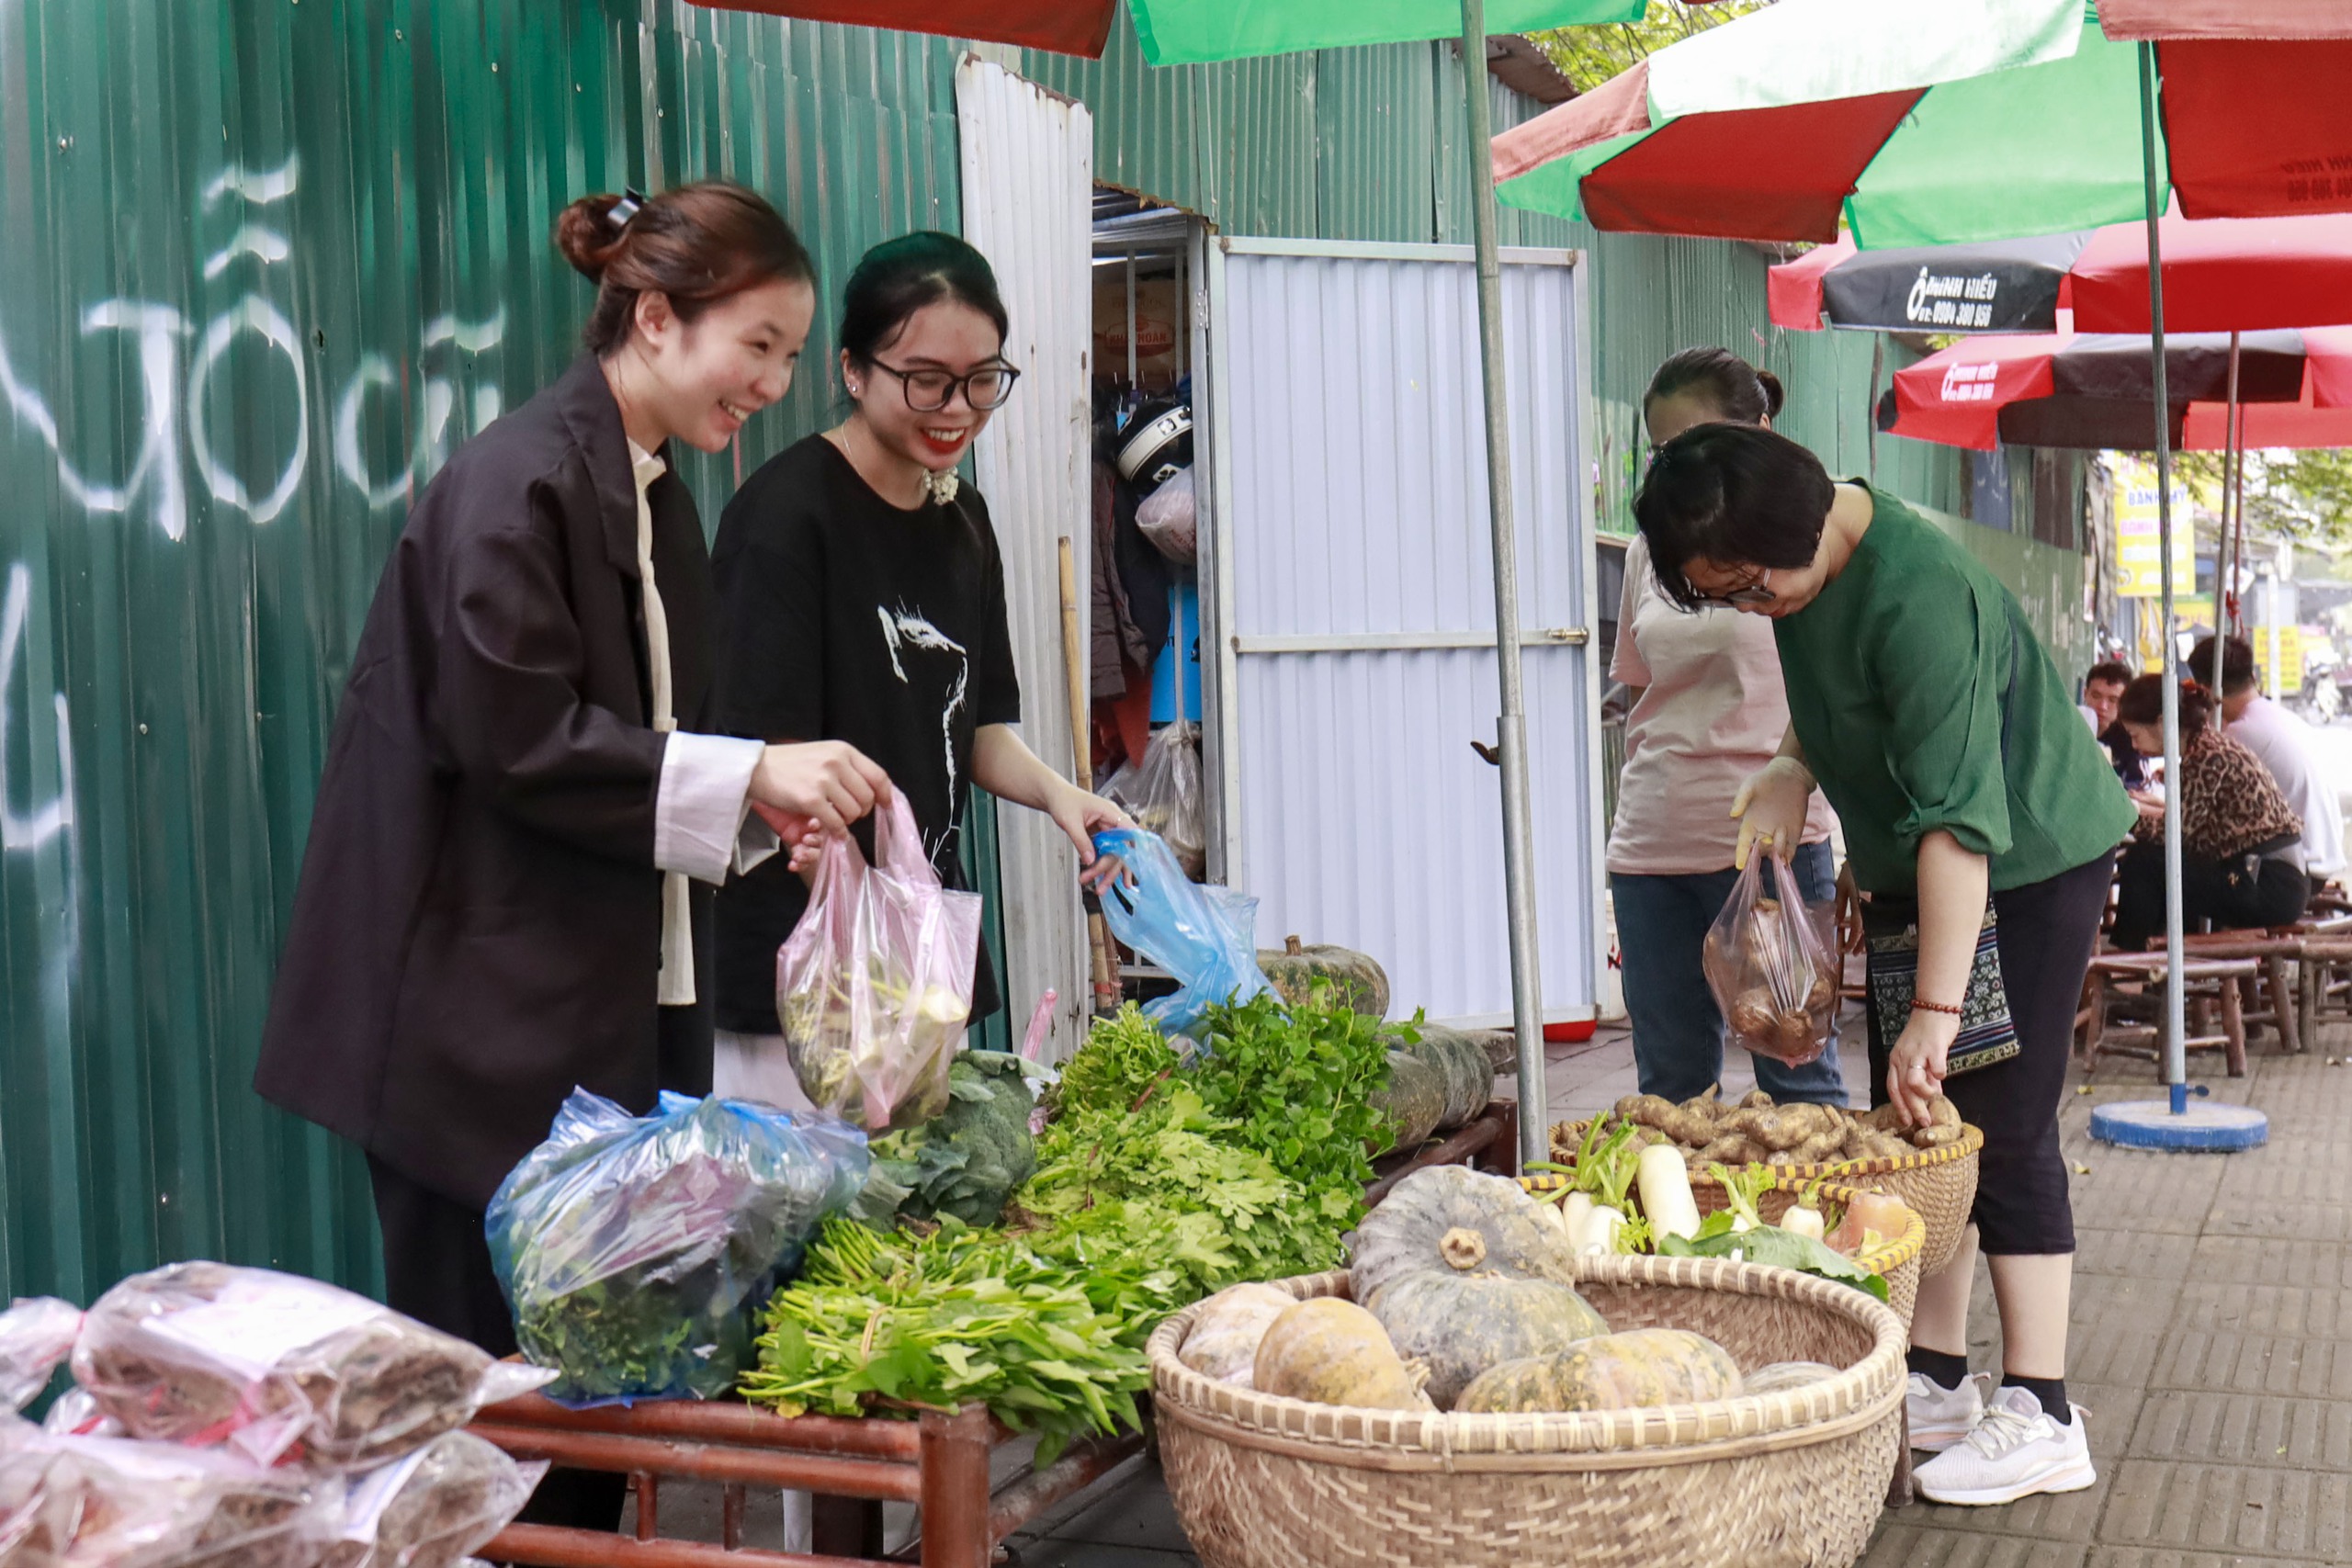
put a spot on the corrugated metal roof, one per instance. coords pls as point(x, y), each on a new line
point(267, 265)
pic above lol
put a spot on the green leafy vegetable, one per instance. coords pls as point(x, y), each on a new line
point(1234, 1216)
point(1296, 1082)
point(1743, 1189)
point(1771, 1245)
point(1048, 1335)
point(966, 1162)
point(1122, 1058)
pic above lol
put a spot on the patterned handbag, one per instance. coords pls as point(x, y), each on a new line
point(1891, 932)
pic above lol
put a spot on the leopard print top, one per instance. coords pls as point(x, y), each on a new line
point(2229, 802)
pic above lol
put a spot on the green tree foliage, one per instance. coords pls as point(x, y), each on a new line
point(1589, 56)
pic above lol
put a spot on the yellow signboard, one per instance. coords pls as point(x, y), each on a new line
point(2281, 648)
point(2138, 556)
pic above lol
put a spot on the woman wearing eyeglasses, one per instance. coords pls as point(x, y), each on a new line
point(862, 598)
point(1938, 727)
point(1707, 711)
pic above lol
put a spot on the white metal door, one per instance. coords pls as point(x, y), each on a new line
point(1353, 611)
point(1028, 167)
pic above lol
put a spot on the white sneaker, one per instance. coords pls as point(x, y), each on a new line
point(2016, 1451)
point(1941, 1416)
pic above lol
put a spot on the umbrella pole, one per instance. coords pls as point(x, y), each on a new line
point(1510, 729)
point(2223, 592)
point(2176, 995)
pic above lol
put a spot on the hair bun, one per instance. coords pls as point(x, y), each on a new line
point(587, 236)
point(1775, 395)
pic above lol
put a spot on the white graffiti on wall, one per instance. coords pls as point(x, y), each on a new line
point(176, 403)
point(36, 825)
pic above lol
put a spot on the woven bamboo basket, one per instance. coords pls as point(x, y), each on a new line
point(1938, 1184)
point(1788, 1480)
point(1895, 1260)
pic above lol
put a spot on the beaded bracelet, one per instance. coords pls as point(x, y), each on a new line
point(1921, 1005)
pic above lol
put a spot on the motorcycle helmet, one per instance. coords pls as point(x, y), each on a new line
point(1154, 443)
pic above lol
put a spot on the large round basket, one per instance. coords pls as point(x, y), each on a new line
point(1788, 1480)
point(1895, 1260)
point(1939, 1184)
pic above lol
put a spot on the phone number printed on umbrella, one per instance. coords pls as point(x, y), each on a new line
point(1942, 301)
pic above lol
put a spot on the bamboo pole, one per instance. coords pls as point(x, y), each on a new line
point(1104, 966)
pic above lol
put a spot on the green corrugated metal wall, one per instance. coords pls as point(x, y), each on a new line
point(266, 260)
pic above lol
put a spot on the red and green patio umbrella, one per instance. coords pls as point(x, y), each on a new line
point(2220, 275)
point(2093, 391)
point(1181, 32)
point(1923, 135)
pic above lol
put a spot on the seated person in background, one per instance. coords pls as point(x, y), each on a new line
point(2240, 850)
point(2284, 743)
point(2102, 688)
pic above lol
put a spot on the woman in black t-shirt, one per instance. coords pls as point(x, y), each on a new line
point(862, 598)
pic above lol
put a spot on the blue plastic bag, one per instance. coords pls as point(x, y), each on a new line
point(638, 1252)
point(1202, 934)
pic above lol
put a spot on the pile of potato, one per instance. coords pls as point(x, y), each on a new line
point(1755, 1132)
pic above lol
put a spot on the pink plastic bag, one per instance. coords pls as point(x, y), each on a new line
point(874, 986)
point(1772, 977)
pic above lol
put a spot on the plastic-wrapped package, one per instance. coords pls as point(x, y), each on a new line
point(1770, 973)
point(36, 1336)
point(874, 986)
point(74, 1414)
point(270, 1364)
point(1167, 517)
point(430, 1510)
point(637, 1252)
point(1162, 791)
point(1202, 934)
point(113, 1502)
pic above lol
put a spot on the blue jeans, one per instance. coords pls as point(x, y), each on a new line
point(1678, 1031)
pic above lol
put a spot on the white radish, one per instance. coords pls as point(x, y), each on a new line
point(1600, 1230)
point(1804, 1222)
point(1665, 1184)
point(1576, 1212)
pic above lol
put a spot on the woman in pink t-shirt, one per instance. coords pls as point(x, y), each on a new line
point(1708, 710)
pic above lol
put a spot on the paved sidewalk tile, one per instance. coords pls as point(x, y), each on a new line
point(2229, 1362)
point(2298, 1311)
point(2245, 1428)
point(1902, 1544)
point(2325, 1265)
point(2146, 1557)
point(2150, 1255)
point(2227, 1508)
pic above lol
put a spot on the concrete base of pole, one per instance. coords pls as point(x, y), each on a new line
point(2204, 1127)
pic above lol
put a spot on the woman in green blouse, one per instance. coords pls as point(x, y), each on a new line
point(1926, 709)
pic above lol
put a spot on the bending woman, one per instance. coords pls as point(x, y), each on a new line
point(1941, 732)
point(2241, 843)
point(863, 599)
point(1708, 710)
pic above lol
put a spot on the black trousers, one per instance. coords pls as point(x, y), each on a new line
point(436, 1270)
point(2047, 933)
point(2274, 893)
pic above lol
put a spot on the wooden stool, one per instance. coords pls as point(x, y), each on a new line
point(2209, 979)
point(2327, 989)
point(2280, 1003)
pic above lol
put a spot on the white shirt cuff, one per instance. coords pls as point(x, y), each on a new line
point(701, 820)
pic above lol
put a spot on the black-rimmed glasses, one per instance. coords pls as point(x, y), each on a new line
point(1757, 593)
point(928, 391)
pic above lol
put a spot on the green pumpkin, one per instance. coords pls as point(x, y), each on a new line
point(1510, 1388)
point(1644, 1367)
point(1413, 1102)
point(1463, 1323)
point(1461, 1066)
point(1451, 1216)
point(1358, 981)
point(1640, 1368)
